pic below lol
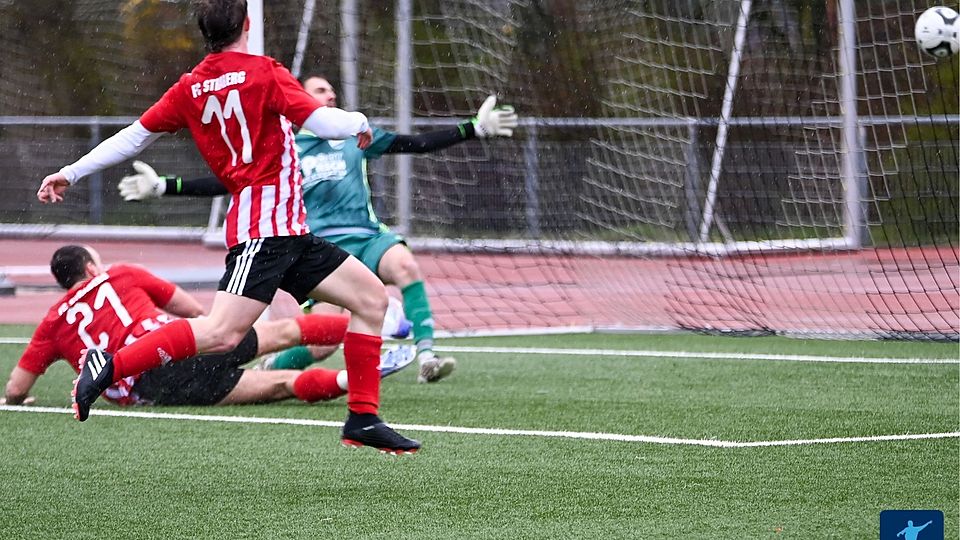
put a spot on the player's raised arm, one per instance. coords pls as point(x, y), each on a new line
point(337, 124)
point(126, 144)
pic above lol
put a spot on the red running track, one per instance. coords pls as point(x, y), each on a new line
point(874, 292)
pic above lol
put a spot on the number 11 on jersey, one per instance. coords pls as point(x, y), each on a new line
point(232, 108)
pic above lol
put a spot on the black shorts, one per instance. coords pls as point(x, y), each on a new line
point(296, 264)
point(201, 380)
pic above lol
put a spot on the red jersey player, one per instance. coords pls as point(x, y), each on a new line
point(107, 307)
point(239, 109)
point(106, 311)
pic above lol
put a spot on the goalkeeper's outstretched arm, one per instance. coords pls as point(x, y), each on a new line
point(490, 121)
point(431, 140)
point(147, 184)
point(207, 186)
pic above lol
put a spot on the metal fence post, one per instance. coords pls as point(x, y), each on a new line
point(863, 181)
point(95, 185)
point(531, 181)
point(691, 182)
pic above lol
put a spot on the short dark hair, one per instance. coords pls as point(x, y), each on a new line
point(69, 265)
point(220, 21)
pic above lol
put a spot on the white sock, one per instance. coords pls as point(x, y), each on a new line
point(425, 356)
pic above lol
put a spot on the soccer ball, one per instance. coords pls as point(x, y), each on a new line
point(936, 32)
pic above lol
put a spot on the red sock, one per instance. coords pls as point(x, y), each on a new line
point(361, 353)
point(317, 385)
point(322, 329)
point(169, 343)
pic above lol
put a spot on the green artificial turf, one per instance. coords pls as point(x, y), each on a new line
point(169, 478)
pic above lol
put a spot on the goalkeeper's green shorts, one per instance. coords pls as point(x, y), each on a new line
point(369, 248)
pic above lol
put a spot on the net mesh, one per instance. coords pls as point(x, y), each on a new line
point(591, 213)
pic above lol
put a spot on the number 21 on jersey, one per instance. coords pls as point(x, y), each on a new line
point(231, 108)
point(82, 314)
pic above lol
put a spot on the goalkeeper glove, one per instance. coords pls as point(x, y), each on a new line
point(145, 185)
point(493, 121)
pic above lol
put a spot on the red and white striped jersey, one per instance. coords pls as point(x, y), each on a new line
point(107, 312)
point(239, 109)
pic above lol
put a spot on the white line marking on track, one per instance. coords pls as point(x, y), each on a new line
point(698, 355)
point(658, 354)
point(492, 431)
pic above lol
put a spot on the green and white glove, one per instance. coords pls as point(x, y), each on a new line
point(142, 186)
point(493, 121)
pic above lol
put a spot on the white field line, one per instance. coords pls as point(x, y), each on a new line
point(697, 355)
point(657, 354)
point(491, 431)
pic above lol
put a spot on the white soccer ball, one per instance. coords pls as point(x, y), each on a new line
point(936, 32)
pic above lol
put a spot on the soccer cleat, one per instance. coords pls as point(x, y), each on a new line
point(396, 358)
point(404, 327)
point(368, 430)
point(96, 375)
point(434, 368)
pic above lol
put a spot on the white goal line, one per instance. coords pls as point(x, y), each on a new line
point(696, 355)
point(616, 437)
point(656, 354)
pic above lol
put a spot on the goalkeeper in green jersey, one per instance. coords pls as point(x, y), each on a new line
point(337, 197)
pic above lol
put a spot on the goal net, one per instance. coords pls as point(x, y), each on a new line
point(765, 166)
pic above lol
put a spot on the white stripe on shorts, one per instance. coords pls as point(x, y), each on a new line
point(242, 267)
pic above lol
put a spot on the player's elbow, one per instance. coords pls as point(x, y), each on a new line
point(193, 311)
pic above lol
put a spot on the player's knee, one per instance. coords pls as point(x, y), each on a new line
point(225, 340)
point(372, 304)
point(408, 271)
point(282, 387)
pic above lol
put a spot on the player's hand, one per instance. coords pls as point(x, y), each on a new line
point(52, 188)
point(493, 121)
point(142, 186)
point(29, 400)
point(364, 139)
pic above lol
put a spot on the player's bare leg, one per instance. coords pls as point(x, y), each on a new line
point(285, 306)
point(229, 320)
point(262, 387)
point(354, 287)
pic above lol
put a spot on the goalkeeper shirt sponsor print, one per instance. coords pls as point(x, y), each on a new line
point(239, 109)
point(335, 190)
point(107, 312)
